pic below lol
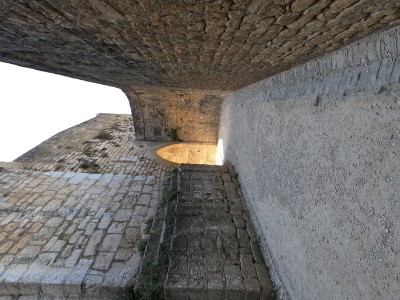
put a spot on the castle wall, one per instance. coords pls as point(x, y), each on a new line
point(175, 114)
point(317, 152)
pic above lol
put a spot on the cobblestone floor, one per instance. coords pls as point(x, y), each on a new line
point(72, 234)
point(72, 211)
point(213, 252)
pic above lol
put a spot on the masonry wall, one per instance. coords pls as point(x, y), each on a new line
point(175, 114)
point(317, 152)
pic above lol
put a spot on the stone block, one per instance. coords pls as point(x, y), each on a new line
point(111, 242)
point(253, 289)
point(103, 260)
point(180, 243)
point(243, 238)
point(247, 266)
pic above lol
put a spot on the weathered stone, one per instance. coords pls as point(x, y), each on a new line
point(247, 266)
point(103, 260)
point(178, 110)
point(5, 247)
point(93, 242)
point(117, 227)
point(228, 48)
point(44, 249)
point(339, 5)
point(253, 289)
point(130, 237)
point(206, 260)
point(111, 242)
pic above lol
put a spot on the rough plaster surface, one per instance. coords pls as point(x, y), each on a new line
point(175, 114)
point(319, 171)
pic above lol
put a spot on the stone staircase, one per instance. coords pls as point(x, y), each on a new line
point(202, 244)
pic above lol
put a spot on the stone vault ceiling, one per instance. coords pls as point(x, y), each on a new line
point(220, 45)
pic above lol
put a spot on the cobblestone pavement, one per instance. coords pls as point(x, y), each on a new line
point(214, 252)
point(73, 231)
point(104, 144)
point(66, 234)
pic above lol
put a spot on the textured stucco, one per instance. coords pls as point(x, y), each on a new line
point(317, 154)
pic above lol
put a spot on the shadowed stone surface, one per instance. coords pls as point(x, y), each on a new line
point(202, 245)
point(214, 45)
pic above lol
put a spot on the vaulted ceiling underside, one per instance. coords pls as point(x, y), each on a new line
point(218, 45)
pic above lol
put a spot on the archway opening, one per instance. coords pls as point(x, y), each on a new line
point(35, 105)
point(189, 153)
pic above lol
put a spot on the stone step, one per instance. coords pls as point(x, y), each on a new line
point(203, 245)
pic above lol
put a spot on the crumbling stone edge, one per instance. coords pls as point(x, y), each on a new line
point(154, 267)
point(278, 288)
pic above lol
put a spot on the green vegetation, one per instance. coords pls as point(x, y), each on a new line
point(116, 127)
point(153, 288)
point(172, 215)
point(170, 195)
point(88, 151)
point(173, 134)
point(149, 225)
point(152, 285)
point(142, 246)
point(89, 166)
point(275, 293)
point(27, 166)
point(154, 269)
point(104, 135)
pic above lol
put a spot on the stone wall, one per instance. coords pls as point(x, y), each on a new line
point(217, 44)
point(175, 114)
point(317, 152)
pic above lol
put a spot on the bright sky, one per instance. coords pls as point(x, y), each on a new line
point(35, 105)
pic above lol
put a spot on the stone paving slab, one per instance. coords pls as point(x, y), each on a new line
point(213, 251)
point(215, 254)
point(72, 235)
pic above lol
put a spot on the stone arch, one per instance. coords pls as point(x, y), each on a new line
point(137, 113)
